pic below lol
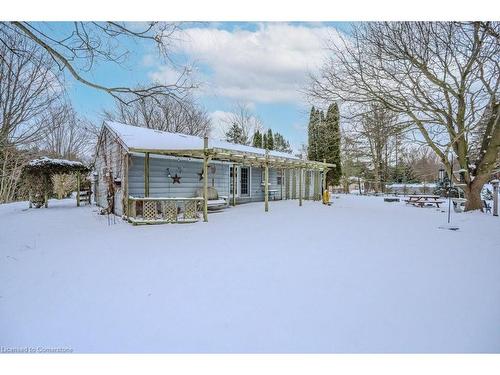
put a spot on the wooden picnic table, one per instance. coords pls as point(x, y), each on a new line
point(421, 200)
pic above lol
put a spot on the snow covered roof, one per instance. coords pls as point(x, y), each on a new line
point(49, 161)
point(138, 138)
point(49, 165)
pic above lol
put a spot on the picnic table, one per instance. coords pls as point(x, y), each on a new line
point(421, 200)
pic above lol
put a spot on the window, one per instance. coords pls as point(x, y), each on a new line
point(244, 181)
point(278, 177)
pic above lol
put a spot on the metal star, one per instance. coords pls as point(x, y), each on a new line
point(200, 174)
point(176, 179)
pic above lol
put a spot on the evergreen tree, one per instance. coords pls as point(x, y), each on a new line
point(270, 140)
point(313, 134)
point(281, 144)
point(321, 144)
point(235, 134)
point(330, 140)
point(264, 140)
point(257, 139)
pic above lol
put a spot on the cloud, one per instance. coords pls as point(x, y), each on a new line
point(266, 65)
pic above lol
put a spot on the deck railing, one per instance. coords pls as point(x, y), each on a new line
point(153, 210)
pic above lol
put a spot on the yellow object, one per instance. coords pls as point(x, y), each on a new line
point(326, 197)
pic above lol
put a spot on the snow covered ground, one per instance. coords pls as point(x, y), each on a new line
point(359, 276)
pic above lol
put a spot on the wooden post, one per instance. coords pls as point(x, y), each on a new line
point(325, 170)
point(287, 183)
point(266, 183)
point(282, 181)
point(495, 197)
point(205, 179)
point(300, 187)
point(315, 185)
point(45, 192)
point(125, 200)
point(146, 174)
point(30, 202)
point(234, 185)
point(307, 183)
point(78, 189)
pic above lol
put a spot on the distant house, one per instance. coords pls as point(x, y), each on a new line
point(148, 175)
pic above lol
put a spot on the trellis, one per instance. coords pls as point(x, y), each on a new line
point(38, 173)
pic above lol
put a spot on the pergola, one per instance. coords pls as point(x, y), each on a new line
point(239, 157)
point(40, 171)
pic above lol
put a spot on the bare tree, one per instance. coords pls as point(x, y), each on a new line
point(165, 114)
point(376, 127)
point(441, 78)
point(28, 87)
point(66, 135)
point(243, 118)
point(77, 47)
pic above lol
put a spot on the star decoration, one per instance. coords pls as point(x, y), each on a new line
point(200, 174)
point(176, 179)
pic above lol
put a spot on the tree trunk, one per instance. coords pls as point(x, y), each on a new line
point(473, 194)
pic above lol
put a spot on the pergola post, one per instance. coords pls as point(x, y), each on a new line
point(495, 197)
point(282, 180)
point(266, 182)
point(315, 185)
point(287, 183)
point(45, 192)
point(205, 179)
point(78, 177)
point(307, 183)
point(300, 187)
point(234, 185)
point(146, 174)
point(325, 170)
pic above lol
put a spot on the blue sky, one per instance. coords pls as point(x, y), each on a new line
point(262, 65)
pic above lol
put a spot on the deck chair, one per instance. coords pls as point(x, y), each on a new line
point(215, 201)
point(487, 207)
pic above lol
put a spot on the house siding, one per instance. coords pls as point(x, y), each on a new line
point(160, 185)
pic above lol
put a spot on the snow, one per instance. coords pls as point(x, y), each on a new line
point(358, 276)
point(135, 137)
point(428, 185)
point(63, 162)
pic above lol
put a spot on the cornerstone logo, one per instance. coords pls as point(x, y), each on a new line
point(34, 349)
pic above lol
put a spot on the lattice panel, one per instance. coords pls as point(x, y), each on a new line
point(150, 211)
point(169, 210)
point(190, 211)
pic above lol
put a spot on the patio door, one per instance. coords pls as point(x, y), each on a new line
point(244, 181)
point(233, 170)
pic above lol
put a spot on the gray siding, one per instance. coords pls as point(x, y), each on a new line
point(160, 185)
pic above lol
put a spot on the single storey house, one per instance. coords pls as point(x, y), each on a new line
point(152, 176)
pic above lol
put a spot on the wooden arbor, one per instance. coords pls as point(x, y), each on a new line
point(38, 174)
point(244, 158)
